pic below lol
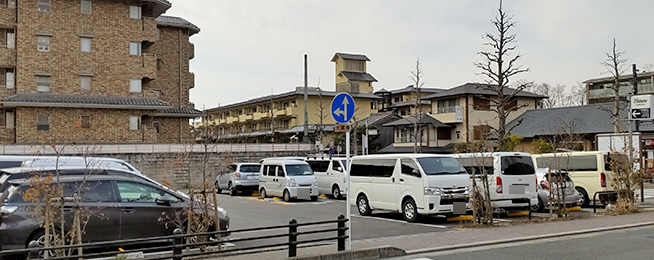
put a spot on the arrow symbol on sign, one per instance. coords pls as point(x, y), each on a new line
point(635, 113)
point(343, 112)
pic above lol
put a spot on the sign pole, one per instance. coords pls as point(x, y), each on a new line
point(347, 191)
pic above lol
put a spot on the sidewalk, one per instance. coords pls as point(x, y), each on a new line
point(461, 238)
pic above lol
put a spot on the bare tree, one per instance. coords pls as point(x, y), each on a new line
point(614, 65)
point(499, 66)
point(578, 95)
point(321, 107)
point(417, 126)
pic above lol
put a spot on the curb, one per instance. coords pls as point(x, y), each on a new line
point(369, 253)
point(529, 238)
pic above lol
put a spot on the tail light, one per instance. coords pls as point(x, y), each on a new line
point(603, 180)
point(238, 175)
point(499, 185)
point(544, 185)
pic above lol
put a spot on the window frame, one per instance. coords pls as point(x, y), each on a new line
point(134, 120)
point(6, 72)
point(42, 122)
point(135, 12)
point(84, 79)
point(89, 45)
point(135, 49)
point(44, 5)
point(43, 43)
point(85, 122)
point(90, 7)
point(133, 86)
point(42, 83)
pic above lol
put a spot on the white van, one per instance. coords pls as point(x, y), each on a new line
point(590, 171)
point(330, 173)
point(289, 178)
point(512, 178)
point(412, 184)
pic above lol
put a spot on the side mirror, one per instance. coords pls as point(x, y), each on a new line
point(339, 168)
point(164, 200)
point(415, 173)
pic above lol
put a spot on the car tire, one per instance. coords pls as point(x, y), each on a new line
point(231, 190)
point(541, 205)
point(409, 210)
point(39, 236)
point(363, 206)
point(262, 193)
point(287, 196)
point(218, 190)
point(584, 197)
point(314, 198)
point(336, 192)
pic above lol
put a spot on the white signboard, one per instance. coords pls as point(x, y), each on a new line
point(458, 114)
point(641, 107)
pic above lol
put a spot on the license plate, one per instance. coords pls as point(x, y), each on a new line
point(304, 194)
point(459, 208)
point(253, 177)
point(517, 189)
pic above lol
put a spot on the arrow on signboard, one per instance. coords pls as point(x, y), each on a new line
point(343, 112)
point(635, 113)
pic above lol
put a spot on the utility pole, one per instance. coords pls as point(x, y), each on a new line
point(305, 138)
point(637, 126)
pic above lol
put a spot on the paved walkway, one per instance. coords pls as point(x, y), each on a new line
point(461, 238)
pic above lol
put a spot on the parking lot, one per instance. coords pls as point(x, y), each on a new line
point(248, 211)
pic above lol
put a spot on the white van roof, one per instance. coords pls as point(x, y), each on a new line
point(489, 154)
point(400, 155)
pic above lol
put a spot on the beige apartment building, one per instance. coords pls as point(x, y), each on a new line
point(94, 71)
point(280, 117)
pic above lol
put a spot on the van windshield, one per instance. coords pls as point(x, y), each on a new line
point(440, 165)
point(298, 170)
point(517, 165)
point(250, 168)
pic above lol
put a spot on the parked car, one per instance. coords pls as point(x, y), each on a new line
point(289, 178)
point(512, 178)
point(412, 184)
point(590, 171)
point(545, 185)
point(123, 208)
point(330, 173)
point(241, 177)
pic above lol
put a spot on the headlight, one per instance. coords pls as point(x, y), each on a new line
point(315, 183)
point(433, 191)
point(468, 190)
point(8, 209)
point(291, 183)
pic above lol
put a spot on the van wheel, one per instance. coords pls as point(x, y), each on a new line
point(287, 196)
point(262, 193)
point(231, 190)
point(363, 206)
point(218, 190)
point(314, 198)
point(585, 202)
point(336, 192)
point(541, 206)
point(409, 210)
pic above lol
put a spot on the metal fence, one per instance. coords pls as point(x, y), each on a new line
point(149, 148)
point(174, 248)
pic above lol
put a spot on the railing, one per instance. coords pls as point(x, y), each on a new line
point(150, 148)
point(608, 193)
point(176, 244)
point(442, 110)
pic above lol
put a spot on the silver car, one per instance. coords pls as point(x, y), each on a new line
point(241, 177)
point(545, 185)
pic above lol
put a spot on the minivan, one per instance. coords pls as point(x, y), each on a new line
point(511, 178)
point(412, 184)
point(289, 178)
point(330, 173)
point(590, 171)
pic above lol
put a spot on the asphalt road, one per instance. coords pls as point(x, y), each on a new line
point(634, 243)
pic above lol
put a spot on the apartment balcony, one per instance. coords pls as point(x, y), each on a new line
point(149, 29)
point(191, 50)
point(447, 115)
point(191, 80)
point(624, 91)
point(7, 15)
point(7, 135)
point(287, 112)
point(7, 55)
point(261, 115)
point(231, 119)
point(149, 63)
point(246, 117)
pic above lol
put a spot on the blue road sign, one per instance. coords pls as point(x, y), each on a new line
point(342, 108)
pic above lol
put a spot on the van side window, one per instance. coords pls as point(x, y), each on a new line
point(280, 171)
point(336, 165)
point(410, 168)
point(319, 166)
point(477, 165)
point(373, 167)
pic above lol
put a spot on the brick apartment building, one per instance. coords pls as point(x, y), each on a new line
point(94, 71)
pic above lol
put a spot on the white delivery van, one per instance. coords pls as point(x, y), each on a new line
point(590, 171)
point(511, 178)
point(330, 173)
point(289, 178)
point(412, 184)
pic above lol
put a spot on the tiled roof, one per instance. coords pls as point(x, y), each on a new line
point(180, 112)
point(298, 91)
point(177, 22)
point(358, 76)
point(425, 120)
point(347, 56)
point(479, 89)
point(423, 90)
point(49, 100)
point(447, 149)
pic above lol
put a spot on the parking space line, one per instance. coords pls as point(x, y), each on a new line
point(401, 221)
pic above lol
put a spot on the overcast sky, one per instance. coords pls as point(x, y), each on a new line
point(247, 48)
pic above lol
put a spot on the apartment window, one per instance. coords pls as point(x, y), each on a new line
point(159, 62)
point(135, 48)
point(511, 105)
point(253, 127)
point(480, 103)
point(7, 77)
point(134, 122)
point(135, 12)
point(444, 133)
point(85, 44)
point(44, 5)
point(447, 105)
point(43, 43)
point(85, 83)
point(86, 6)
point(135, 86)
point(7, 38)
point(42, 123)
point(85, 124)
point(157, 126)
point(481, 132)
point(43, 83)
point(352, 65)
point(8, 3)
